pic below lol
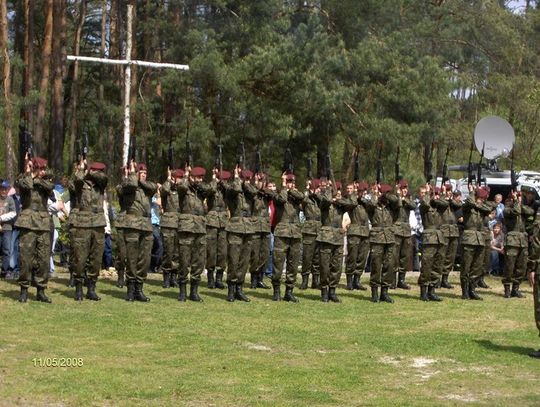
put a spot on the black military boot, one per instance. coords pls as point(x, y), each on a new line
point(254, 280)
point(472, 293)
point(431, 294)
point(401, 282)
point(91, 292)
point(356, 285)
point(41, 296)
point(289, 296)
point(315, 281)
point(166, 280)
point(535, 354)
point(515, 291)
point(231, 291)
point(384, 295)
point(78, 291)
point(194, 291)
point(240, 293)
point(305, 282)
point(139, 293)
point(130, 291)
point(332, 295)
point(445, 283)
point(23, 296)
point(219, 279)
point(182, 292)
point(120, 282)
point(210, 276)
point(465, 290)
point(172, 280)
point(277, 292)
point(349, 281)
point(482, 283)
point(324, 294)
point(424, 293)
point(374, 293)
point(261, 283)
point(393, 286)
point(71, 281)
point(507, 293)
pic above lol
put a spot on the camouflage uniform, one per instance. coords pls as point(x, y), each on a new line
point(310, 248)
point(169, 230)
point(216, 236)
point(400, 209)
point(450, 230)
point(357, 244)
point(34, 223)
point(87, 229)
point(260, 241)
point(120, 261)
point(534, 267)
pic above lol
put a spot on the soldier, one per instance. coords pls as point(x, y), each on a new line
point(8, 215)
point(357, 237)
point(137, 193)
point(169, 227)
point(310, 229)
point(34, 223)
point(192, 230)
point(534, 264)
point(473, 243)
point(260, 243)
point(381, 240)
point(86, 226)
point(450, 230)
point(490, 208)
point(516, 244)
point(216, 235)
point(287, 235)
point(120, 261)
point(239, 230)
point(401, 207)
point(431, 209)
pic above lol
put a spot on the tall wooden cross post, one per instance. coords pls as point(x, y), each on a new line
point(127, 75)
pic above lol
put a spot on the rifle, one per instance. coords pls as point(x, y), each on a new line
point(258, 161)
point(356, 175)
point(445, 168)
point(330, 173)
point(397, 166)
point(84, 152)
point(26, 147)
point(470, 175)
point(513, 178)
point(170, 154)
point(132, 150)
point(189, 154)
point(287, 161)
point(479, 169)
point(309, 167)
point(378, 177)
point(219, 158)
point(428, 163)
point(241, 155)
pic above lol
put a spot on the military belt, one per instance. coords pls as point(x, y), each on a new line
point(136, 213)
point(93, 210)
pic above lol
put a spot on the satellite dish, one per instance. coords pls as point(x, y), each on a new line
point(496, 135)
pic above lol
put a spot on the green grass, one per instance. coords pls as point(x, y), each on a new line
point(266, 353)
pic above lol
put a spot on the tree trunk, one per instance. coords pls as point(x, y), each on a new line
point(57, 136)
point(102, 135)
point(75, 83)
point(26, 113)
point(39, 142)
point(6, 80)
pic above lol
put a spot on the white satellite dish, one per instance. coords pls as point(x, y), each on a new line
point(496, 135)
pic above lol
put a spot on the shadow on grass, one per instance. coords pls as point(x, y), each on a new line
point(169, 293)
point(219, 294)
point(118, 293)
point(13, 294)
point(489, 345)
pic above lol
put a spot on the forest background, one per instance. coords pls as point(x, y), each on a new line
point(343, 76)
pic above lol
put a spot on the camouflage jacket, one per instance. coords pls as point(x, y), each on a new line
point(449, 225)
point(332, 211)
point(218, 215)
point(120, 220)
point(192, 217)
point(400, 209)
point(312, 214)
point(137, 196)
point(239, 208)
point(382, 224)
point(358, 215)
point(260, 199)
point(34, 194)
point(431, 211)
point(287, 205)
point(170, 202)
point(473, 221)
point(89, 190)
point(514, 220)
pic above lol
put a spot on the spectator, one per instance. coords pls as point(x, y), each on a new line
point(14, 259)
point(8, 214)
point(59, 211)
point(157, 247)
point(493, 219)
point(499, 208)
point(418, 229)
point(107, 260)
point(497, 249)
point(271, 210)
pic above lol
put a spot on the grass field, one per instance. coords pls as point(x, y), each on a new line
point(266, 353)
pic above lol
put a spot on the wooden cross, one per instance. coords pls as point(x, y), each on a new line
point(127, 75)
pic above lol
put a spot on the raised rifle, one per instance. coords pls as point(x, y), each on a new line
point(132, 150)
point(356, 171)
point(513, 178)
point(189, 153)
point(470, 174)
point(309, 167)
point(288, 166)
point(258, 162)
point(26, 147)
point(240, 161)
point(84, 152)
point(428, 163)
point(479, 169)
point(330, 172)
point(444, 177)
point(378, 175)
point(170, 154)
point(219, 158)
point(397, 166)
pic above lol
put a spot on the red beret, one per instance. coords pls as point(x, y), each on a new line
point(39, 162)
point(246, 174)
point(437, 190)
point(385, 188)
point(142, 167)
point(448, 186)
point(363, 186)
point(338, 185)
point(315, 183)
point(224, 175)
point(177, 173)
point(198, 172)
point(97, 166)
point(290, 177)
point(403, 183)
point(482, 193)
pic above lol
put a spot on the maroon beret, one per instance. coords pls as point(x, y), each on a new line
point(97, 166)
point(315, 183)
point(224, 175)
point(482, 193)
point(448, 186)
point(142, 167)
point(363, 186)
point(338, 185)
point(403, 183)
point(177, 173)
point(437, 190)
point(290, 177)
point(198, 172)
point(385, 188)
point(246, 174)
point(39, 162)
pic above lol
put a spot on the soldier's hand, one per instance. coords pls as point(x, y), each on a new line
point(237, 171)
point(29, 166)
point(531, 278)
point(169, 173)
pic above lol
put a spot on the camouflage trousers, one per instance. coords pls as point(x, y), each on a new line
point(515, 264)
point(138, 254)
point(216, 248)
point(260, 251)
point(120, 255)
point(402, 253)
point(286, 250)
point(87, 245)
point(331, 263)
point(449, 254)
point(382, 265)
point(357, 255)
point(170, 262)
point(432, 265)
point(536, 294)
point(192, 255)
point(473, 264)
point(310, 255)
point(35, 250)
point(238, 249)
